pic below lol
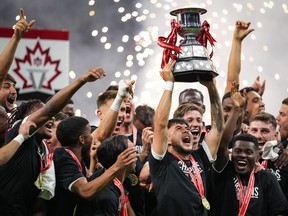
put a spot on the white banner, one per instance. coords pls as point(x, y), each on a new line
point(41, 63)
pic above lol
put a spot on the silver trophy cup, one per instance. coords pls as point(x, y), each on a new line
point(193, 63)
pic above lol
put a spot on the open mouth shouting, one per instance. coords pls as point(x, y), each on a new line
point(186, 139)
point(195, 133)
point(241, 164)
point(117, 127)
point(10, 101)
point(128, 112)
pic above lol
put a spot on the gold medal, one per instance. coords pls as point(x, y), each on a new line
point(205, 203)
point(134, 179)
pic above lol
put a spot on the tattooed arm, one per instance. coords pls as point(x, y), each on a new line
point(217, 122)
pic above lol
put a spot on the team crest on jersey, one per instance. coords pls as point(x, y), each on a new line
point(37, 70)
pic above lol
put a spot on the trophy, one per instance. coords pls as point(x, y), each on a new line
point(192, 60)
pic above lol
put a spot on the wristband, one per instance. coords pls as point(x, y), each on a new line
point(146, 163)
point(122, 92)
point(19, 138)
point(169, 86)
point(116, 103)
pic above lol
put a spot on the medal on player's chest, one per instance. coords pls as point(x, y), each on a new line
point(205, 203)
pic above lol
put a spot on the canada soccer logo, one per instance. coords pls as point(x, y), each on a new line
point(37, 70)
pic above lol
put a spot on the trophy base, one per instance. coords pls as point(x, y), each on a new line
point(194, 76)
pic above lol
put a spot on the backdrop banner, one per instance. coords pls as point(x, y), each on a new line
point(41, 62)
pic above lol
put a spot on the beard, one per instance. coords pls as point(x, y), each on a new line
point(179, 149)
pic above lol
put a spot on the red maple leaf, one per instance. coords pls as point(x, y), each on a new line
point(28, 62)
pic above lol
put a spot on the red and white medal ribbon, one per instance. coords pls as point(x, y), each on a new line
point(119, 185)
point(75, 159)
point(244, 198)
point(196, 179)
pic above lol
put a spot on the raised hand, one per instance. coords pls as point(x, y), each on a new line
point(126, 158)
point(147, 137)
point(242, 30)
point(166, 72)
point(93, 151)
point(125, 88)
point(22, 25)
point(25, 128)
point(93, 74)
point(258, 86)
point(237, 99)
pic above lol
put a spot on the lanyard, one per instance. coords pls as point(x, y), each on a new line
point(245, 199)
point(196, 179)
point(119, 185)
point(75, 159)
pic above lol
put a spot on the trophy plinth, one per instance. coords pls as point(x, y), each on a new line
point(193, 63)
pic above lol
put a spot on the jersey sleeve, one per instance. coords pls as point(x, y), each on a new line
point(66, 169)
point(277, 203)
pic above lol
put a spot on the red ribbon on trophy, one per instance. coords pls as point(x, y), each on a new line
point(205, 36)
point(169, 44)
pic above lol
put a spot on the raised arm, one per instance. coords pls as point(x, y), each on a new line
point(88, 190)
point(159, 145)
point(60, 99)
point(108, 123)
point(258, 86)
point(7, 56)
point(7, 151)
point(217, 121)
point(234, 64)
point(238, 102)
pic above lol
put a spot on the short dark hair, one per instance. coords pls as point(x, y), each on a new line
point(264, 117)
point(110, 148)
point(248, 89)
point(105, 96)
point(191, 91)
point(10, 78)
point(185, 107)
point(145, 114)
point(285, 101)
point(112, 87)
point(70, 101)
point(69, 130)
point(245, 137)
point(227, 95)
point(60, 116)
point(174, 121)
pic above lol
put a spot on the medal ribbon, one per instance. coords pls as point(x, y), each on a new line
point(196, 179)
point(46, 163)
point(169, 44)
point(264, 163)
point(119, 185)
point(245, 199)
point(134, 134)
point(204, 36)
point(75, 159)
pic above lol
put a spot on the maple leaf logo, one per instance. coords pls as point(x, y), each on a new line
point(37, 70)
